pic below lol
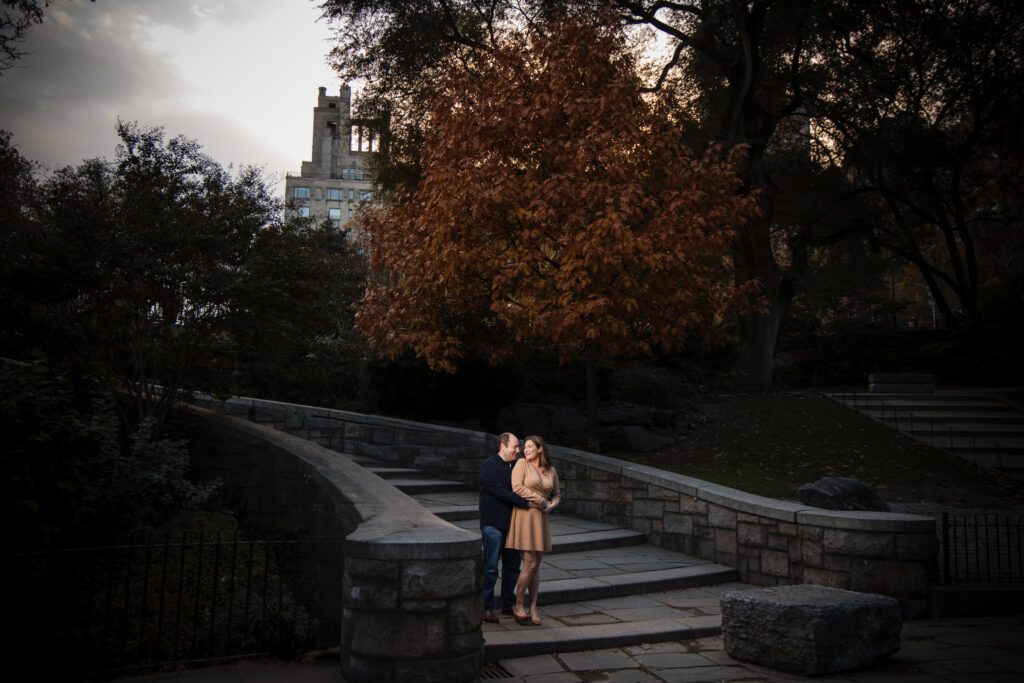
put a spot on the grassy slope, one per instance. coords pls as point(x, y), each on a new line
point(772, 445)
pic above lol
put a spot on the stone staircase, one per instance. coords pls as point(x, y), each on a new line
point(601, 586)
point(978, 427)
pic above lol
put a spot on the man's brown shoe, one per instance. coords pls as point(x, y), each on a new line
point(490, 617)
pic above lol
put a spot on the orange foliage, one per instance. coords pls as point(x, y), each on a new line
point(557, 205)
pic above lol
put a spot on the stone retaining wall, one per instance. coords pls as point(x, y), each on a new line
point(770, 542)
point(397, 586)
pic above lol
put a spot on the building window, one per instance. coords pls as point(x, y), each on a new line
point(303, 211)
point(359, 173)
point(300, 192)
point(365, 196)
point(337, 195)
point(350, 213)
point(351, 195)
point(334, 214)
point(344, 174)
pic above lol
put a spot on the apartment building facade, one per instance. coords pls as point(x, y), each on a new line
point(336, 180)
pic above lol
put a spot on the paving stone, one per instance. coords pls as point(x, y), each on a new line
point(644, 613)
point(968, 639)
point(921, 651)
point(592, 618)
point(566, 609)
point(958, 666)
point(598, 660)
point(705, 673)
point(687, 603)
point(1011, 661)
point(711, 643)
point(722, 657)
point(561, 677)
point(991, 677)
point(655, 648)
point(625, 676)
point(673, 660)
point(626, 602)
point(531, 666)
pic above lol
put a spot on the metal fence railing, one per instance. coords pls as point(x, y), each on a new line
point(983, 548)
point(118, 609)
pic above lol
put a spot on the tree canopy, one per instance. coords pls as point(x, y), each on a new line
point(772, 75)
point(557, 205)
point(922, 130)
point(163, 268)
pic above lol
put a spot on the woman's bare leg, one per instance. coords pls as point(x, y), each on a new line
point(535, 585)
point(525, 578)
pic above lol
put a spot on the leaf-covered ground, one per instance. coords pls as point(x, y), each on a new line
point(772, 445)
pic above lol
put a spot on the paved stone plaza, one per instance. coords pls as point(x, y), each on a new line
point(954, 650)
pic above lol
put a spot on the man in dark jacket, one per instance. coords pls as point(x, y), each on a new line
point(496, 501)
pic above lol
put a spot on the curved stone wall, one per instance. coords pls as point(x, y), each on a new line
point(770, 542)
point(399, 587)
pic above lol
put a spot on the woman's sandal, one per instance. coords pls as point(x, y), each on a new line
point(535, 620)
point(522, 620)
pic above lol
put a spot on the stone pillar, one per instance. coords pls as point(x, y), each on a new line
point(412, 605)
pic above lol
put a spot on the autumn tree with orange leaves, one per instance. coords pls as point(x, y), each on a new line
point(557, 206)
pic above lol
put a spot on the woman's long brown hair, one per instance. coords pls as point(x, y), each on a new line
point(542, 447)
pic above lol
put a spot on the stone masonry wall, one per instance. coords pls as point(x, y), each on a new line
point(770, 542)
point(399, 587)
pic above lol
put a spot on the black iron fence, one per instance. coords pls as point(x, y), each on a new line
point(982, 548)
point(91, 612)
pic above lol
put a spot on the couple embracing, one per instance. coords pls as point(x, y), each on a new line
point(515, 499)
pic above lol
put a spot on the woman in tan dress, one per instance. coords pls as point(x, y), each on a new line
point(535, 479)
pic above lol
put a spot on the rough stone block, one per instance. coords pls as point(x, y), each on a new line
point(421, 635)
point(810, 630)
point(678, 524)
point(621, 495)
point(436, 580)
point(693, 505)
point(776, 542)
point(824, 577)
point(752, 534)
point(721, 517)
point(725, 541)
point(648, 508)
point(858, 543)
point(775, 563)
point(811, 553)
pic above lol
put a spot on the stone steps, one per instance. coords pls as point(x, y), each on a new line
point(532, 641)
point(978, 427)
point(887, 412)
point(601, 586)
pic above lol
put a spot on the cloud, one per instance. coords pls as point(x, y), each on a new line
point(239, 76)
point(85, 64)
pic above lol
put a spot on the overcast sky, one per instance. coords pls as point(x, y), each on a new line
point(239, 76)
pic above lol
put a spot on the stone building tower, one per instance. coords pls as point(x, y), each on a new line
point(335, 181)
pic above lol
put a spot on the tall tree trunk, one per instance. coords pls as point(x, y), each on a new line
point(758, 332)
point(593, 442)
point(754, 259)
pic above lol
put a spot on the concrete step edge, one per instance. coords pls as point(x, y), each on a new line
point(413, 486)
point(395, 472)
point(596, 540)
point(528, 641)
point(619, 585)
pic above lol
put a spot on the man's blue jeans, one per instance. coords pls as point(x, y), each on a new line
point(495, 550)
